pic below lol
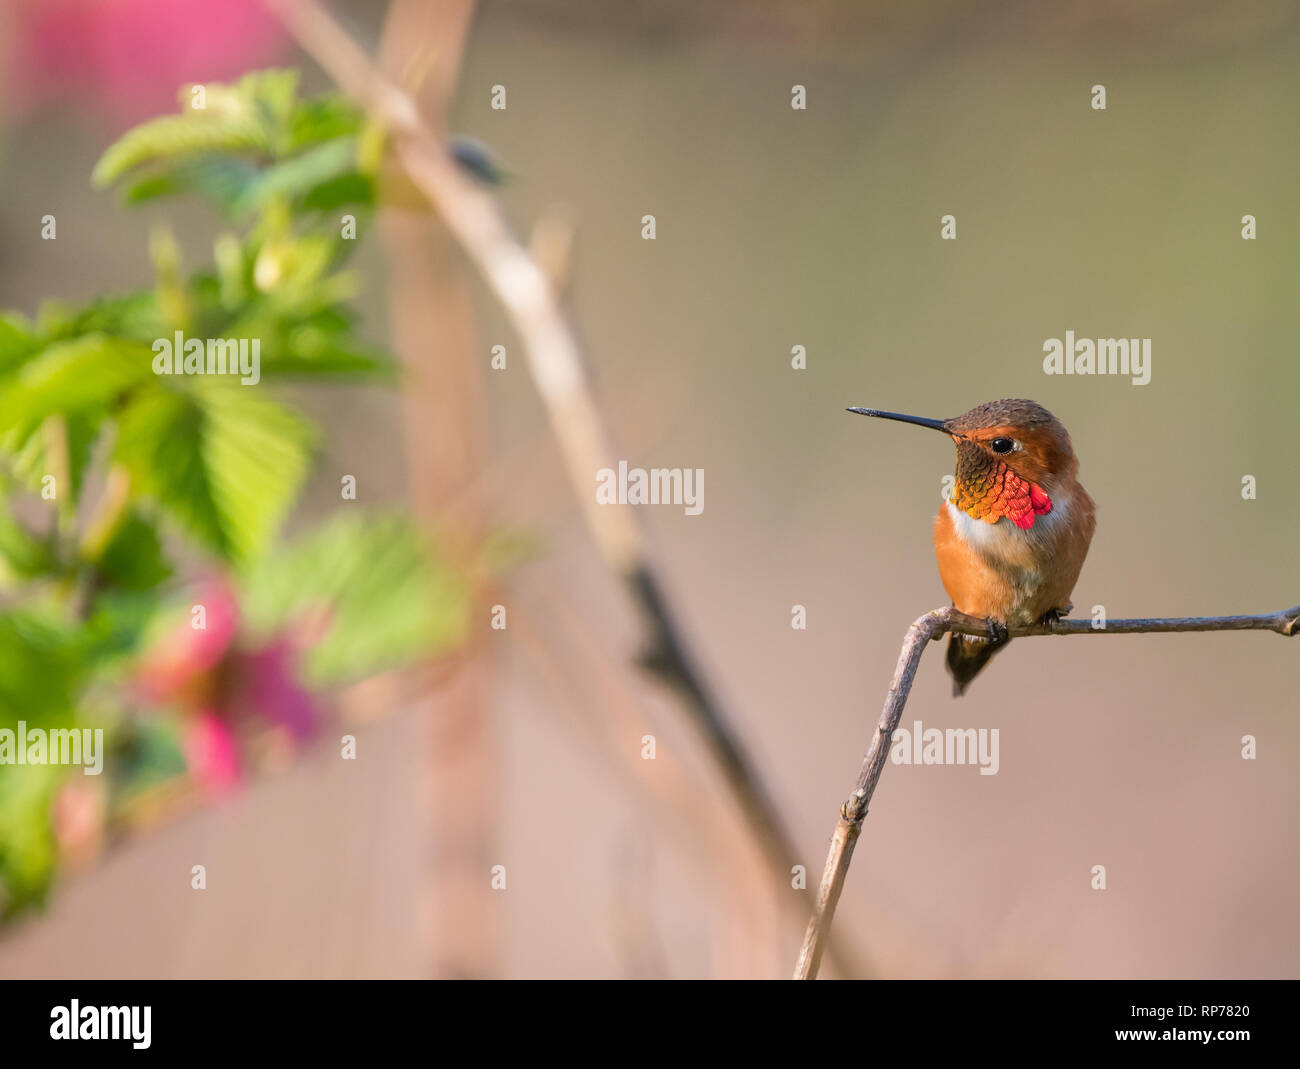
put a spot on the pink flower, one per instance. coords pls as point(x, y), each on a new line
point(216, 683)
point(181, 666)
point(127, 58)
point(212, 753)
point(269, 686)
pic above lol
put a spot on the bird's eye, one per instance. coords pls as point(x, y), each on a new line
point(1002, 445)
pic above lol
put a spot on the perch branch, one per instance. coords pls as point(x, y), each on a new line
point(555, 362)
point(932, 626)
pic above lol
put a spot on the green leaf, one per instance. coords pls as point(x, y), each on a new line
point(336, 362)
point(132, 317)
point(17, 342)
point(28, 851)
point(345, 190)
point(41, 672)
point(118, 626)
point(255, 116)
point(219, 461)
point(41, 665)
point(153, 186)
point(298, 176)
point(22, 554)
point(176, 136)
point(133, 558)
point(271, 95)
point(382, 596)
point(321, 119)
point(71, 376)
point(224, 179)
point(80, 431)
point(77, 381)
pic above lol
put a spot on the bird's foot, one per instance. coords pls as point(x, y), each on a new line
point(1054, 616)
point(999, 635)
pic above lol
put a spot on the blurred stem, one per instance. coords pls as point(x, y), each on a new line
point(102, 525)
point(173, 300)
point(432, 329)
point(55, 432)
point(108, 515)
point(555, 362)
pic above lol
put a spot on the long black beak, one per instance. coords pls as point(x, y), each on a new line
point(920, 421)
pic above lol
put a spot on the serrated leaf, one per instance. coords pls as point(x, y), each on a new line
point(81, 376)
point(218, 460)
point(272, 96)
point(132, 316)
point(373, 583)
point(174, 137)
point(253, 116)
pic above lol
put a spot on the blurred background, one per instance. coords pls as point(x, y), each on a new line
point(522, 747)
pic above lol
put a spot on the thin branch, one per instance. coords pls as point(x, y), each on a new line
point(934, 625)
point(556, 365)
point(1284, 623)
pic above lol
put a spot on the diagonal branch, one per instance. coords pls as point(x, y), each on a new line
point(556, 365)
point(932, 626)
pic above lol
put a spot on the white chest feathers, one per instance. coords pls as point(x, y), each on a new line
point(1006, 546)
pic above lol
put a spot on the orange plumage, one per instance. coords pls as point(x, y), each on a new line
point(1012, 538)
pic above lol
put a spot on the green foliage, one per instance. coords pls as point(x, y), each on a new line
point(116, 481)
point(249, 143)
point(23, 555)
point(222, 463)
point(42, 668)
point(372, 586)
point(17, 341)
point(28, 851)
point(133, 558)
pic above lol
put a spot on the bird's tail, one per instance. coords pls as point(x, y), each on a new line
point(966, 656)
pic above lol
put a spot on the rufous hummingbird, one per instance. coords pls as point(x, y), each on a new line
point(1011, 538)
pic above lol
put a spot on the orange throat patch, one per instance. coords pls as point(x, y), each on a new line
point(986, 489)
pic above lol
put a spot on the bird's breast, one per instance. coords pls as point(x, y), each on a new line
point(1005, 544)
point(1002, 570)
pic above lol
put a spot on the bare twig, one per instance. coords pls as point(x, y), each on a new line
point(556, 365)
point(932, 626)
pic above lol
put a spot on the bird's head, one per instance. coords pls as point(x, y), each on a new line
point(1012, 456)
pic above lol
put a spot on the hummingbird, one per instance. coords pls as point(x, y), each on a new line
point(1011, 538)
